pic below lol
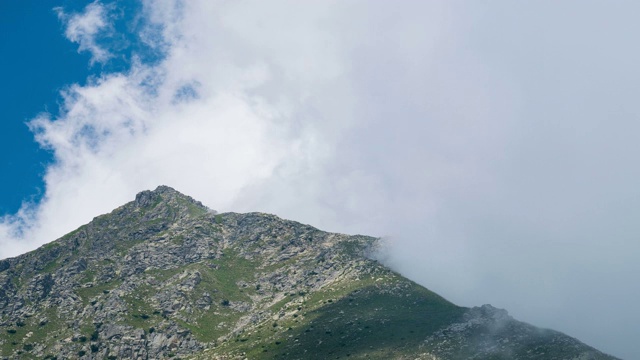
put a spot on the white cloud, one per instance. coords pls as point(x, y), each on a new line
point(85, 28)
point(497, 155)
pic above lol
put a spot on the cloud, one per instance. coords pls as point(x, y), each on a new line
point(87, 28)
point(495, 154)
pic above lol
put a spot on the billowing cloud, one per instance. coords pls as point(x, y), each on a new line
point(86, 28)
point(495, 153)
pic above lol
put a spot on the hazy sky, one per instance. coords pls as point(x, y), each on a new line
point(492, 143)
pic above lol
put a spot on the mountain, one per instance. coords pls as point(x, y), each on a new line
point(165, 277)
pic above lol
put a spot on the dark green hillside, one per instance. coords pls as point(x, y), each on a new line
point(165, 277)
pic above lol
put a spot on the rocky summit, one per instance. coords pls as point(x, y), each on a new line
point(166, 277)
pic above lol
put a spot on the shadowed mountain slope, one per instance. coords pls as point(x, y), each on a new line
point(165, 277)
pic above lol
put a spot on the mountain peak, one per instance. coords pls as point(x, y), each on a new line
point(164, 277)
point(164, 189)
point(162, 192)
point(168, 196)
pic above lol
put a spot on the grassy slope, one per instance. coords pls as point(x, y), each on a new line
point(380, 315)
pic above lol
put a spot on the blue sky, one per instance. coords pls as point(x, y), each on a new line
point(37, 62)
point(493, 144)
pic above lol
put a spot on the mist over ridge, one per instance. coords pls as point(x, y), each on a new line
point(492, 145)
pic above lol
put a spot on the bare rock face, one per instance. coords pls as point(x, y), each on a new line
point(165, 277)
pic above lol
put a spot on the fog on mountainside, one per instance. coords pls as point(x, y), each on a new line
point(493, 144)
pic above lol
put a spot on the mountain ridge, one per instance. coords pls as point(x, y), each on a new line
point(164, 276)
